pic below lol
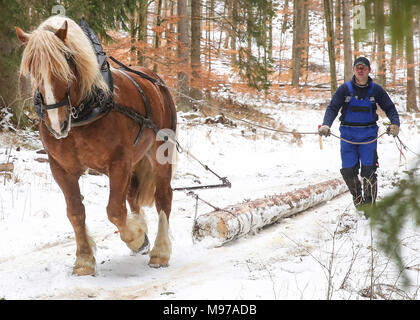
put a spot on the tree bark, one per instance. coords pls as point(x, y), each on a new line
point(142, 29)
point(338, 27)
point(195, 48)
point(283, 32)
point(182, 52)
point(298, 40)
point(330, 40)
point(381, 57)
point(233, 30)
point(158, 32)
point(409, 49)
point(240, 219)
point(348, 57)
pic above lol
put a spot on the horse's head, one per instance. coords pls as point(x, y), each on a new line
point(49, 62)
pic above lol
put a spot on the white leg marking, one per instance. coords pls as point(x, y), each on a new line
point(163, 246)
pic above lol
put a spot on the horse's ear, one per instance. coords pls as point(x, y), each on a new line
point(22, 35)
point(62, 32)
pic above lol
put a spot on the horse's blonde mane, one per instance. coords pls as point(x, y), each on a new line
point(45, 54)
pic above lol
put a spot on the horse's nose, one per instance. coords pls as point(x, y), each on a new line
point(64, 125)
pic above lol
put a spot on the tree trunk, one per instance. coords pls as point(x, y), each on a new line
point(355, 42)
point(330, 39)
point(348, 57)
point(283, 32)
point(133, 38)
point(182, 51)
point(233, 30)
point(195, 48)
point(142, 29)
point(270, 32)
point(381, 57)
point(306, 36)
point(338, 28)
point(298, 40)
point(228, 26)
point(409, 49)
point(158, 31)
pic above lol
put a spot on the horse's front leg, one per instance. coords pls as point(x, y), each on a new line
point(69, 184)
point(132, 230)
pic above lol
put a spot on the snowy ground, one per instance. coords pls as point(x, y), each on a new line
point(325, 252)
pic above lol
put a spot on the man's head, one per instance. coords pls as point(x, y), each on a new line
point(361, 69)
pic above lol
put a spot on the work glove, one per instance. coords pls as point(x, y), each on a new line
point(324, 131)
point(393, 130)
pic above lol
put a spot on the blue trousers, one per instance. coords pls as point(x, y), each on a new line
point(354, 154)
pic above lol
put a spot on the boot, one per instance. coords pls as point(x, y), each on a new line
point(370, 184)
point(355, 187)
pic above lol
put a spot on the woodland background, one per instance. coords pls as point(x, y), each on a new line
point(264, 46)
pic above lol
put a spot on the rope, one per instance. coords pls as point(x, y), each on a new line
point(364, 142)
point(272, 129)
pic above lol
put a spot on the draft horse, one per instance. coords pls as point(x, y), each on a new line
point(63, 67)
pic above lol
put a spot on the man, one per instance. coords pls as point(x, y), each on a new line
point(358, 101)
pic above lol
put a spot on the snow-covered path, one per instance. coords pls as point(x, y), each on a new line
point(321, 253)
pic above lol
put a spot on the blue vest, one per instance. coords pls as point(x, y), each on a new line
point(359, 112)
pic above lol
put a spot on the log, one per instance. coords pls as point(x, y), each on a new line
point(8, 166)
point(238, 220)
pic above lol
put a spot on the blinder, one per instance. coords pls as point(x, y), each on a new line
point(40, 107)
point(39, 104)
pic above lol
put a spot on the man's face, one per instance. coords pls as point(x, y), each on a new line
point(361, 72)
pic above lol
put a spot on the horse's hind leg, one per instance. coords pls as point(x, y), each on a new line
point(136, 211)
point(85, 261)
point(159, 256)
point(131, 229)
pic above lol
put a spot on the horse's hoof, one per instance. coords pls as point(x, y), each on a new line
point(158, 262)
point(144, 248)
point(84, 271)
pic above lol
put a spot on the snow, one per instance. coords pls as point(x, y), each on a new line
point(323, 252)
point(326, 252)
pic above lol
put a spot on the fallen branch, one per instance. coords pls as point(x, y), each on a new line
point(6, 167)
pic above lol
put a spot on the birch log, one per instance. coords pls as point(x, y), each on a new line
point(235, 221)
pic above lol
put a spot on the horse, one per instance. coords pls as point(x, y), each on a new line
point(62, 65)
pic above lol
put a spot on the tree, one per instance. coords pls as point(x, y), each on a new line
point(330, 40)
point(182, 52)
point(379, 30)
point(195, 48)
point(348, 57)
point(157, 29)
point(298, 39)
point(253, 61)
point(409, 50)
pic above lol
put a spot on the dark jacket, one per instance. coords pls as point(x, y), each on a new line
point(380, 95)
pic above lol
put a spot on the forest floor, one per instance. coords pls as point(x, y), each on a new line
point(326, 252)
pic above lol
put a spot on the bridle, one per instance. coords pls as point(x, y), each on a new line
point(39, 104)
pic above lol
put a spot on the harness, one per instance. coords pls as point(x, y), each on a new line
point(359, 112)
point(99, 104)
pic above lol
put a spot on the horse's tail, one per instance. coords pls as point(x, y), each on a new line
point(144, 179)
